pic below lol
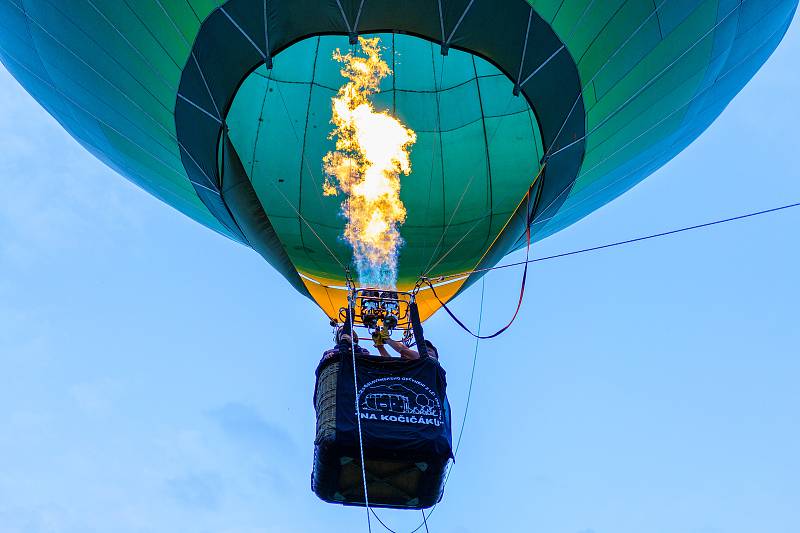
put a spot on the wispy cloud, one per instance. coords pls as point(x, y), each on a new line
point(21, 344)
point(95, 397)
point(245, 425)
point(50, 183)
point(38, 519)
point(197, 491)
point(261, 442)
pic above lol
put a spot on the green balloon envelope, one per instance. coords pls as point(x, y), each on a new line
point(222, 110)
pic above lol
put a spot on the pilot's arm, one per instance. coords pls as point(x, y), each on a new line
point(382, 351)
point(404, 351)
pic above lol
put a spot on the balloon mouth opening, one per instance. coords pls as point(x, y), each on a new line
point(477, 146)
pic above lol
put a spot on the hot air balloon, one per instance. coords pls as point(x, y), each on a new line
point(526, 115)
point(606, 91)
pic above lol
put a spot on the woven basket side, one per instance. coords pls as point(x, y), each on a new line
point(325, 403)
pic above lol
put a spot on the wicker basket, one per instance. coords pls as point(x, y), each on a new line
point(325, 403)
point(395, 480)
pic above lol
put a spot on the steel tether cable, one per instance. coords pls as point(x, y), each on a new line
point(626, 241)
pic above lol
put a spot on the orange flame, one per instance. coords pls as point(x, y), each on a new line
point(372, 151)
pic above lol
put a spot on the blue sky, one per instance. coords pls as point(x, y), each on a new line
point(155, 377)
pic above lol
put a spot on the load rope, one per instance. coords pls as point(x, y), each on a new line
point(358, 420)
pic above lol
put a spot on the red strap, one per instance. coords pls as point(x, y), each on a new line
point(529, 219)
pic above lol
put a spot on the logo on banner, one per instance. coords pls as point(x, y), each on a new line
point(399, 400)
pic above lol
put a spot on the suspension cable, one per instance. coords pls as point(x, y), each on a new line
point(358, 419)
point(425, 517)
point(471, 375)
point(309, 225)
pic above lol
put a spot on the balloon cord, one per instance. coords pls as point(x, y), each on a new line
point(358, 420)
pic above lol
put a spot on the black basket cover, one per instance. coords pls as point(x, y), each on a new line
point(405, 424)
